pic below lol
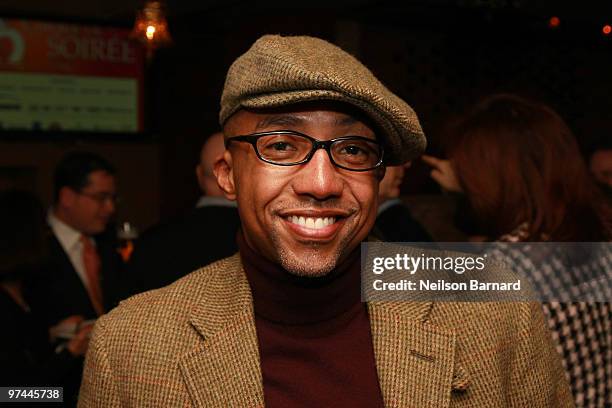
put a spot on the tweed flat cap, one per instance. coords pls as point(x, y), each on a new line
point(278, 71)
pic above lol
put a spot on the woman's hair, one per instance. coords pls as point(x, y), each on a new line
point(22, 242)
point(518, 162)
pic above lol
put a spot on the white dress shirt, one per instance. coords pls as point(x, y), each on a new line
point(70, 240)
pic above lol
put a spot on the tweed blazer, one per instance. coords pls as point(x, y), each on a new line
point(194, 344)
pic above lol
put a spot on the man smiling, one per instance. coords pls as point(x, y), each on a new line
point(308, 130)
point(308, 213)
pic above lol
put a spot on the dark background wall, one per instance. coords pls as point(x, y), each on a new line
point(439, 55)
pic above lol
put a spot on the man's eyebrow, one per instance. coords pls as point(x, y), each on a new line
point(346, 120)
point(279, 120)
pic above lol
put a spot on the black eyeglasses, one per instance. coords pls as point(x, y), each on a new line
point(101, 198)
point(290, 148)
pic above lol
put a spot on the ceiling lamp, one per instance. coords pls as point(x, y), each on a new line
point(151, 27)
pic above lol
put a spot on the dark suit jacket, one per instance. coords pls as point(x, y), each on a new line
point(26, 357)
point(396, 224)
point(171, 250)
point(58, 292)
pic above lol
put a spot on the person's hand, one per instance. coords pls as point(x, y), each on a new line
point(77, 346)
point(443, 173)
point(65, 328)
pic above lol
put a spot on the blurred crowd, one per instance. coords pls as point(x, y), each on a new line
point(511, 165)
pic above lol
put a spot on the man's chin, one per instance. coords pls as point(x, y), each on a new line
point(309, 264)
point(309, 258)
point(96, 230)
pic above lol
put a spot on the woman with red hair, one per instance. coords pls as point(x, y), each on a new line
point(519, 168)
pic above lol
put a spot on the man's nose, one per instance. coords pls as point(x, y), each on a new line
point(109, 206)
point(318, 178)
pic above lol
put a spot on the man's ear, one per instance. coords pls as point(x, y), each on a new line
point(199, 172)
point(223, 168)
point(66, 197)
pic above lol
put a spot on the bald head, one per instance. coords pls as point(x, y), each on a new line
point(212, 149)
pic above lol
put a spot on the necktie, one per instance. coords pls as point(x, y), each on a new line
point(91, 260)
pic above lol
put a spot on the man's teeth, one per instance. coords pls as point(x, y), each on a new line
point(313, 223)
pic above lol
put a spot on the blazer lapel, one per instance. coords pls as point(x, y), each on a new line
point(224, 369)
point(415, 359)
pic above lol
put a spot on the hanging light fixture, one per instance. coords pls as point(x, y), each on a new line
point(151, 27)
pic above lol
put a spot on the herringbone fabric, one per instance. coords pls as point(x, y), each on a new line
point(193, 343)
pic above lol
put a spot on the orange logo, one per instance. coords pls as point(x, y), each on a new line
point(11, 45)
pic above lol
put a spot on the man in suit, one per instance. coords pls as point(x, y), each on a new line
point(82, 273)
point(170, 250)
point(308, 129)
point(394, 222)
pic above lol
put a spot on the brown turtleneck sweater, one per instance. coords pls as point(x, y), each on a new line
point(314, 335)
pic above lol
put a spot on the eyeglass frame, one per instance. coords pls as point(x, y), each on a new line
point(316, 145)
point(100, 198)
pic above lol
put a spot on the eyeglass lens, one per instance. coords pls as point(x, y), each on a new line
point(291, 148)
